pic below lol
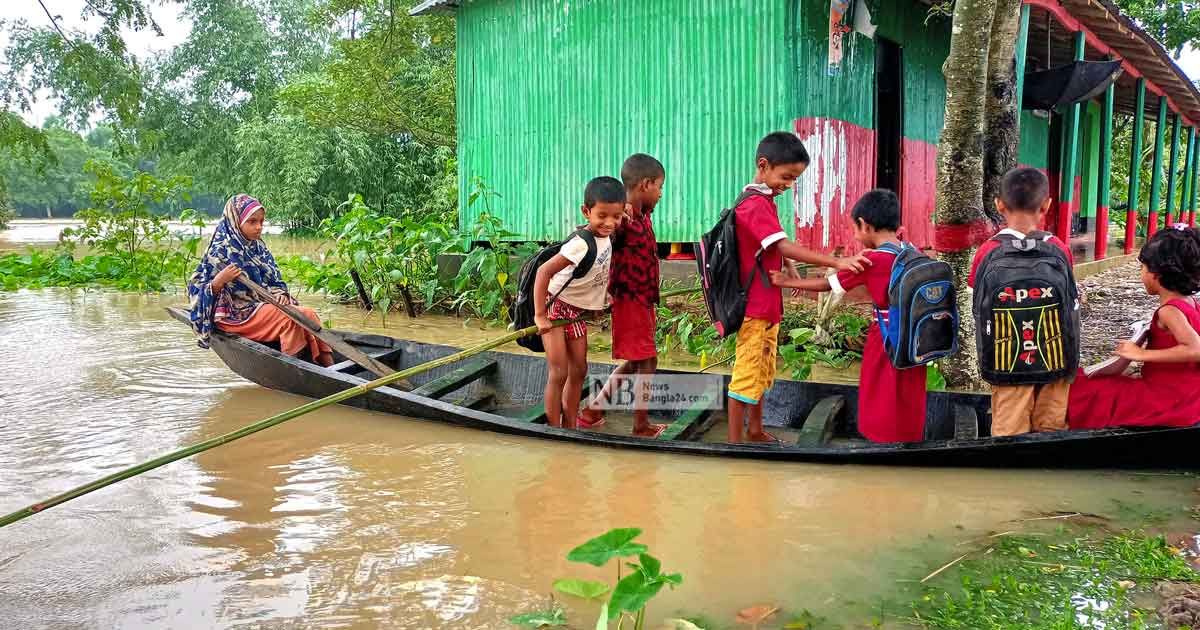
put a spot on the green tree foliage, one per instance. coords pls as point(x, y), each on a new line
point(1174, 23)
point(393, 75)
point(57, 187)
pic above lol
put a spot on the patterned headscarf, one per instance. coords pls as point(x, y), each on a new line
point(235, 304)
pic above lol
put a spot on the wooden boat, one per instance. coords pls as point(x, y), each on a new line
point(502, 392)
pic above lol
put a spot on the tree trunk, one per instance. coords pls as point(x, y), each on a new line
point(1003, 130)
point(959, 210)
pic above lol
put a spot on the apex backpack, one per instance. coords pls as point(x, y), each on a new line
point(522, 311)
point(725, 291)
point(1026, 312)
point(921, 321)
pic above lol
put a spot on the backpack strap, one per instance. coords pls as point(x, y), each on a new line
point(758, 270)
point(586, 263)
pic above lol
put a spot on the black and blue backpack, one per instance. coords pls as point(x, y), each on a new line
point(920, 324)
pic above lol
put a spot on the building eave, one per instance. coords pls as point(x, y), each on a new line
point(434, 6)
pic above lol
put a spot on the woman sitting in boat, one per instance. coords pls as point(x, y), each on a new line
point(218, 299)
point(1166, 393)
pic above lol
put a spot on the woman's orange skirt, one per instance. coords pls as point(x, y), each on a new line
point(271, 324)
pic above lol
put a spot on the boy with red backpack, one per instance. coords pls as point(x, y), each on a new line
point(738, 291)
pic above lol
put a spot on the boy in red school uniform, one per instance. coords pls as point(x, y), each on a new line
point(762, 247)
point(891, 402)
point(633, 285)
point(1016, 409)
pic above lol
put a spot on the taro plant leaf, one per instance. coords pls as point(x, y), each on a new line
point(586, 589)
point(555, 617)
point(651, 567)
point(632, 593)
point(615, 543)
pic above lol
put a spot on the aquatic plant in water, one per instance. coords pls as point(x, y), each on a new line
point(632, 592)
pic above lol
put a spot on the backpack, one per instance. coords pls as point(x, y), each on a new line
point(522, 311)
point(1026, 312)
point(725, 292)
point(920, 324)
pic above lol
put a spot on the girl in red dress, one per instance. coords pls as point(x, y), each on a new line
point(1165, 395)
point(891, 402)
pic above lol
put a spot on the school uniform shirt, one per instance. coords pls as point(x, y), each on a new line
point(992, 244)
point(635, 262)
point(758, 228)
point(891, 402)
point(589, 293)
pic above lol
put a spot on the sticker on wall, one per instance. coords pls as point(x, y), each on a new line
point(837, 12)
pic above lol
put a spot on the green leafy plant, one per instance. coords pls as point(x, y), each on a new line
point(633, 591)
point(486, 284)
point(396, 258)
point(552, 617)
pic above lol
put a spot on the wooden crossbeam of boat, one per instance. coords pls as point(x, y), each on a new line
point(693, 416)
point(387, 354)
point(966, 423)
point(821, 422)
point(455, 380)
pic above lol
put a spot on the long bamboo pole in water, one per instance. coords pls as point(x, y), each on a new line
point(276, 419)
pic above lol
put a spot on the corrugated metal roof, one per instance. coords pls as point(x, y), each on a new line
point(434, 6)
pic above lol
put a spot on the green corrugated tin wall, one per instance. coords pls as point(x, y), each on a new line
point(849, 96)
point(695, 83)
point(1035, 141)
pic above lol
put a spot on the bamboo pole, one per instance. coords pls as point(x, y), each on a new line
point(277, 419)
point(1185, 199)
point(1135, 168)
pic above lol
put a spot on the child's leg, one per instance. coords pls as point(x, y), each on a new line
point(576, 372)
point(556, 377)
point(737, 420)
point(593, 413)
point(1012, 409)
point(754, 431)
point(641, 413)
point(1050, 406)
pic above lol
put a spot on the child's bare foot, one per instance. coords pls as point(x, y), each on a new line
point(650, 430)
point(762, 437)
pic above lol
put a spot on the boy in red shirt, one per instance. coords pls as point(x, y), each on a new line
point(891, 402)
point(633, 285)
point(762, 246)
point(1016, 409)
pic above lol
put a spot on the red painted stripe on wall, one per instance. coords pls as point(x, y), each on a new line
point(918, 191)
point(842, 169)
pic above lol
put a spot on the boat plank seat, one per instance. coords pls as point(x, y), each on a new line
point(819, 426)
point(966, 423)
point(470, 372)
point(383, 355)
point(691, 417)
point(534, 414)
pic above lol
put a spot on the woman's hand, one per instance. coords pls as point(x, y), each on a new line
point(223, 277)
point(1131, 351)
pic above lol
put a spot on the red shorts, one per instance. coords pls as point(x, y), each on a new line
point(561, 310)
point(633, 328)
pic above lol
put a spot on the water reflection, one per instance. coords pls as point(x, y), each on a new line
point(346, 518)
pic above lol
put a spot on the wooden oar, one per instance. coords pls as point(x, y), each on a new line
point(335, 342)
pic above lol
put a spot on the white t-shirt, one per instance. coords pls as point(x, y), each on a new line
point(589, 293)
